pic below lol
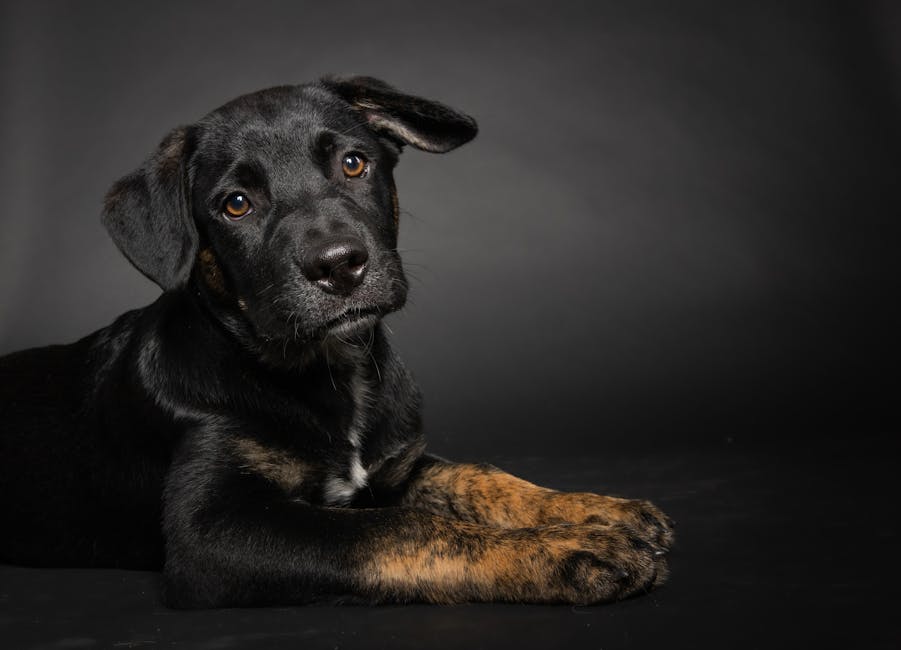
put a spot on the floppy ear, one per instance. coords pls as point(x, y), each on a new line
point(148, 214)
point(419, 122)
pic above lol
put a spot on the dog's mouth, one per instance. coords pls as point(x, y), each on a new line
point(352, 322)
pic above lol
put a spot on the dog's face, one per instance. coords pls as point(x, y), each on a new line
point(293, 199)
point(281, 206)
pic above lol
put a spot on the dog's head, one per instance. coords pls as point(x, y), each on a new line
point(280, 206)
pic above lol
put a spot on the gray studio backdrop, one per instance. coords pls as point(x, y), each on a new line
point(678, 223)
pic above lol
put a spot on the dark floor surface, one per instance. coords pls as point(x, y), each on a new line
point(777, 548)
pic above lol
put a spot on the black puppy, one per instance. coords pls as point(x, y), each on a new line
point(251, 431)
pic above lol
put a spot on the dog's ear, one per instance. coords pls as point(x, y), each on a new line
point(148, 213)
point(419, 122)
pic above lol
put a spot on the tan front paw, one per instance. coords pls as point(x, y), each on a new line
point(582, 507)
point(593, 564)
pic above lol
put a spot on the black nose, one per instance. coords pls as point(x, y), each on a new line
point(337, 265)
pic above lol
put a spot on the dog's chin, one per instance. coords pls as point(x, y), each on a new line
point(344, 337)
point(352, 324)
point(283, 340)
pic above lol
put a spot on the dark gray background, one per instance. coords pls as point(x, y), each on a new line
point(675, 238)
point(678, 224)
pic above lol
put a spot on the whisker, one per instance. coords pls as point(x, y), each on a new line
point(329, 366)
point(353, 128)
point(415, 277)
point(264, 290)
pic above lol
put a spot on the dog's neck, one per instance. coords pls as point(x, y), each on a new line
point(333, 383)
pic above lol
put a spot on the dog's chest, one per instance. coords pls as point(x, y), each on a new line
point(344, 479)
point(327, 467)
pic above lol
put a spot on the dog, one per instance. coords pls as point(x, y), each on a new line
point(251, 433)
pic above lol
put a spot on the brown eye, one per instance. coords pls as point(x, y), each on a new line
point(353, 165)
point(236, 206)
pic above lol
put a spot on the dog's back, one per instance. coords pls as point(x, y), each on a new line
point(71, 493)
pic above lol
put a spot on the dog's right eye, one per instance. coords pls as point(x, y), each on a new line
point(236, 206)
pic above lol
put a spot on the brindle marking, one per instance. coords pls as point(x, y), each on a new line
point(395, 205)
point(486, 495)
point(453, 561)
point(279, 467)
point(212, 274)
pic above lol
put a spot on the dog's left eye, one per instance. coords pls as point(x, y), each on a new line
point(353, 165)
point(236, 206)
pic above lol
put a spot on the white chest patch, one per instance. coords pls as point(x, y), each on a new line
point(339, 490)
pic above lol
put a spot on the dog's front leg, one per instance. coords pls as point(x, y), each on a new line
point(486, 495)
point(235, 539)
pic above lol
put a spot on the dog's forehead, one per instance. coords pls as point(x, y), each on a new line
point(285, 115)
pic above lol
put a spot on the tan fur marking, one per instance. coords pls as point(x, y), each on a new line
point(170, 152)
point(486, 495)
point(212, 274)
point(396, 204)
point(466, 562)
point(171, 149)
point(482, 494)
point(446, 569)
point(277, 466)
